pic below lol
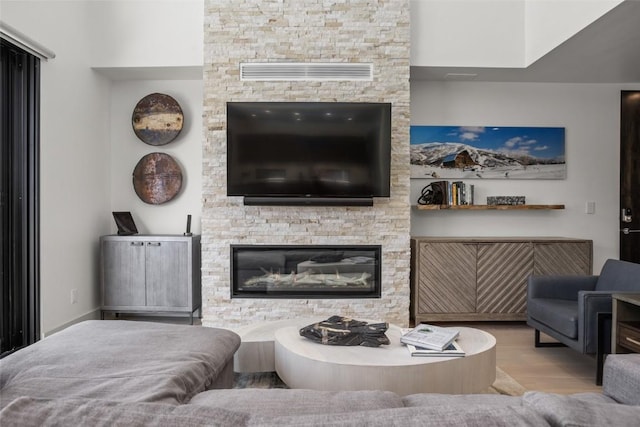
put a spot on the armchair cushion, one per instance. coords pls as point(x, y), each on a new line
point(559, 314)
point(619, 276)
point(560, 287)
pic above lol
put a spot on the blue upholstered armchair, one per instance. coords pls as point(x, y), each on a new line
point(566, 307)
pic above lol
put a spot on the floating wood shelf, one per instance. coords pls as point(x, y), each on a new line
point(487, 207)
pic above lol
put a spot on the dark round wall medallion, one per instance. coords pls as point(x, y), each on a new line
point(157, 119)
point(157, 178)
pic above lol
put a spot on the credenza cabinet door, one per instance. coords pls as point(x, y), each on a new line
point(562, 258)
point(503, 270)
point(123, 273)
point(447, 279)
point(167, 274)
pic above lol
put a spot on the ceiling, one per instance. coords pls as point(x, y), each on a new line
point(607, 51)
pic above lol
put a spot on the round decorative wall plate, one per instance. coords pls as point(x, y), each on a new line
point(157, 178)
point(157, 119)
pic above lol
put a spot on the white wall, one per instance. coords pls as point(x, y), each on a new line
point(74, 144)
point(495, 33)
point(186, 149)
point(147, 39)
point(469, 33)
point(548, 23)
point(87, 147)
point(144, 33)
point(589, 113)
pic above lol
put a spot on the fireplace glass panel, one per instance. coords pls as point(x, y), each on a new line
point(259, 271)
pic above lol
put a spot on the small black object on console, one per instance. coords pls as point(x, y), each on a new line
point(188, 232)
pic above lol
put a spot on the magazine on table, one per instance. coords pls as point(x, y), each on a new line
point(431, 337)
point(453, 350)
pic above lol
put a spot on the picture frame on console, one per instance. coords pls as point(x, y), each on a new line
point(125, 223)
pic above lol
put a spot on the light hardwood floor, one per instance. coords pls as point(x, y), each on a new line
point(550, 369)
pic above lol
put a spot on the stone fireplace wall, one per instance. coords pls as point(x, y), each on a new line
point(361, 31)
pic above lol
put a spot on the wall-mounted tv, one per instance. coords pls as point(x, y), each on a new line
point(308, 152)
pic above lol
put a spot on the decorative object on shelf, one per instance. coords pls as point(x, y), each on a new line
point(338, 330)
point(434, 194)
point(157, 119)
point(157, 178)
point(505, 200)
point(124, 222)
point(471, 152)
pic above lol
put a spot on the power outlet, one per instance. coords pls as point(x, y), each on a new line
point(74, 296)
point(590, 208)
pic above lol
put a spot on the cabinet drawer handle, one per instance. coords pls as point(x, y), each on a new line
point(153, 243)
point(636, 342)
point(137, 243)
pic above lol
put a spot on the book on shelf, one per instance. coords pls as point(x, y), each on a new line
point(460, 193)
point(453, 350)
point(430, 337)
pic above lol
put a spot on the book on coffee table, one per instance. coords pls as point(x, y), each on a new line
point(430, 337)
point(453, 350)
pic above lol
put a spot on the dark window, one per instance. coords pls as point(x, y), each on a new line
point(19, 198)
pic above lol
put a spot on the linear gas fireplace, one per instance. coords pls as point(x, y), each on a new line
point(259, 271)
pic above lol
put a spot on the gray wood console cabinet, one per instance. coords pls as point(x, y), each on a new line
point(150, 274)
point(465, 279)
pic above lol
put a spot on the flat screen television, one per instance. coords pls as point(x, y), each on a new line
point(302, 152)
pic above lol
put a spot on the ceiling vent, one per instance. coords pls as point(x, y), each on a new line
point(287, 71)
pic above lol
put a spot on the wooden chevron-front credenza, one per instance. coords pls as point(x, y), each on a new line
point(485, 278)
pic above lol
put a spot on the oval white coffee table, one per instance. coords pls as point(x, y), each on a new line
point(302, 363)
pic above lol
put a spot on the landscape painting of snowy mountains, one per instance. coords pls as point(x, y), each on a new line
point(466, 152)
